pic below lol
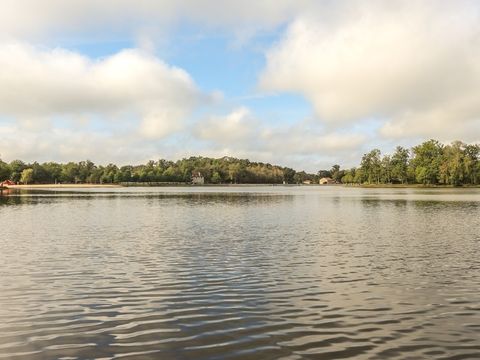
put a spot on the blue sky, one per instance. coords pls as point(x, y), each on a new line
point(302, 83)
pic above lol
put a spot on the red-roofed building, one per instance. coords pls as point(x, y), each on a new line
point(6, 183)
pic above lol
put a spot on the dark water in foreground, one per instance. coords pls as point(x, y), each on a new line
point(240, 273)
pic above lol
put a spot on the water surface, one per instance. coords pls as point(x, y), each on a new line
point(240, 273)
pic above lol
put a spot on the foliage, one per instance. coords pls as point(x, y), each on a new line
point(429, 163)
point(215, 171)
point(27, 176)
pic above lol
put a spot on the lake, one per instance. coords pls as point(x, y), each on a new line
point(253, 272)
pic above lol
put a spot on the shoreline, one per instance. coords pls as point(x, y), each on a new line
point(410, 186)
point(64, 186)
point(364, 186)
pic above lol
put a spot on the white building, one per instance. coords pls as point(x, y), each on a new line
point(326, 181)
point(197, 178)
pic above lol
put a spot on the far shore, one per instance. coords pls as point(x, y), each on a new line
point(410, 186)
point(45, 186)
point(365, 186)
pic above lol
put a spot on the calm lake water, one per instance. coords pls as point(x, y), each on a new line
point(240, 273)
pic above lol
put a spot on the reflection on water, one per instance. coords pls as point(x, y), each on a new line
point(241, 273)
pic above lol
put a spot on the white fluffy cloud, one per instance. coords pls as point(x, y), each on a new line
point(240, 132)
point(414, 64)
point(131, 84)
point(34, 19)
point(63, 144)
point(238, 127)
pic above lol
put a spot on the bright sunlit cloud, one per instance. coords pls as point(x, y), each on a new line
point(130, 84)
point(414, 64)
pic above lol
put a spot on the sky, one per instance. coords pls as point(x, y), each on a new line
point(299, 83)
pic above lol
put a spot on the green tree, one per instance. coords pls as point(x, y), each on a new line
point(16, 168)
point(5, 171)
point(371, 166)
point(359, 176)
point(452, 166)
point(472, 164)
point(70, 173)
point(427, 158)
point(349, 177)
point(288, 175)
point(53, 170)
point(386, 170)
point(27, 176)
point(337, 173)
point(216, 178)
point(399, 163)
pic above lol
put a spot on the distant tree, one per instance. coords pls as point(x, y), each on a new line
point(16, 168)
point(428, 163)
point(371, 166)
point(359, 177)
point(233, 172)
point(27, 176)
point(70, 173)
point(399, 163)
point(85, 168)
point(288, 175)
point(349, 176)
point(40, 175)
point(216, 178)
point(324, 174)
point(427, 158)
point(452, 167)
point(53, 170)
point(337, 173)
point(300, 177)
point(386, 170)
point(5, 171)
point(472, 163)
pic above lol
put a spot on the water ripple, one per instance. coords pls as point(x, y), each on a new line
point(266, 274)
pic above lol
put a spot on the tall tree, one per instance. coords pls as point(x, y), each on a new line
point(5, 171)
point(472, 164)
point(27, 176)
point(399, 163)
point(371, 166)
point(427, 158)
point(452, 167)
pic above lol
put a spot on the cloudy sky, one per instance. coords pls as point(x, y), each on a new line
point(301, 83)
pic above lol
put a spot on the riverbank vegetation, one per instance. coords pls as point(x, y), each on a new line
point(215, 171)
point(430, 163)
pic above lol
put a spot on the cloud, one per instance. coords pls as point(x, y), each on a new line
point(302, 145)
point(309, 138)
point(29, 19)
point(237, 127)
point(44, 83)
point(403, 69)
point(60, 144)
point(240, 133)
point(413, 64)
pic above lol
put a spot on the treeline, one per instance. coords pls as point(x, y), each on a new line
point(430, 163)
point(215, 171)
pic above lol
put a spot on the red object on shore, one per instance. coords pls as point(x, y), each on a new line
point(7, 183)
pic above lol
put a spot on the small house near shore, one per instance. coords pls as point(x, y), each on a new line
point(326, 181)
point(197, 178)
point(6, 183)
